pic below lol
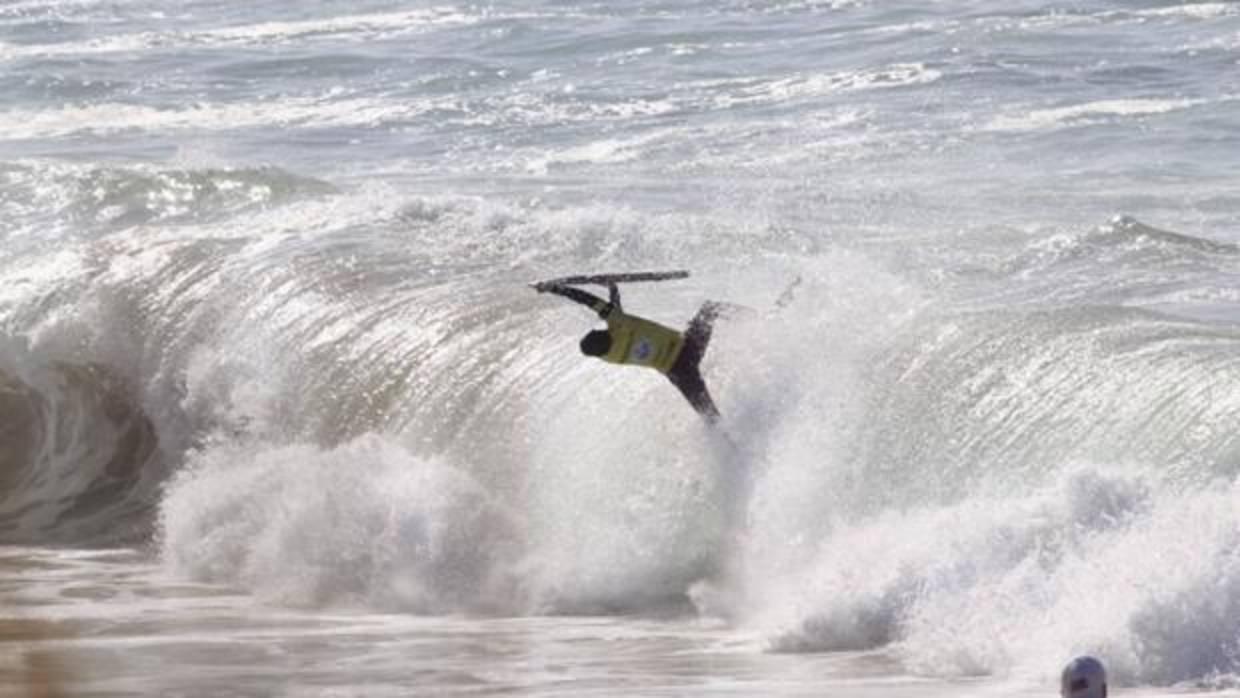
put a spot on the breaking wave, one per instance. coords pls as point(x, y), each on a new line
point(348, 397)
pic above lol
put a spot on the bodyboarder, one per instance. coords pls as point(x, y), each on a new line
point(636, 341)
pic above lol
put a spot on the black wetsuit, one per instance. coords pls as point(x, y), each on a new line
point(686, 373)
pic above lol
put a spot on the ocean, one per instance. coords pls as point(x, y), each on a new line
point(280, 415)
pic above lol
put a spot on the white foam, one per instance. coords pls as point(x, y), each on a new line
point(1097, 562)
point(334, 108)
point(379, 25)
point(22, 9)
point(1199, 10)
point(360, 27)
point(813, 5)
point(1087, 113)
point(606, 151)
point(817, 85)
point(364, 523)
point(291, 112)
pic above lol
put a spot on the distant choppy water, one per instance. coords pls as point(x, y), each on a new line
point(264, 337)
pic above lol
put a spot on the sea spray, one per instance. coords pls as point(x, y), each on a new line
point(364, 524)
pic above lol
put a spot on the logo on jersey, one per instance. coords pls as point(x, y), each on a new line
point(642, 350)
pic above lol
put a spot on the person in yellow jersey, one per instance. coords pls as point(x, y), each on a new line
point(636, 341)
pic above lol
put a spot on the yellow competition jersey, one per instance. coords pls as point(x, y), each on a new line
point(640, 342)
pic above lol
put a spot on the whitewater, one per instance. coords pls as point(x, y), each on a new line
point(279, 414)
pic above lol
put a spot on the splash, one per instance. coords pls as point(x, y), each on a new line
point(347, 398)
point(1098, 561)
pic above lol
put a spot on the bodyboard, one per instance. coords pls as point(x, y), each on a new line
point(609, 279)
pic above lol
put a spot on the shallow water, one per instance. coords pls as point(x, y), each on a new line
point(110, 622)
point(94, 623)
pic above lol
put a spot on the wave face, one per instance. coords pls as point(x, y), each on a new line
point(76, 450)
point(263, 310)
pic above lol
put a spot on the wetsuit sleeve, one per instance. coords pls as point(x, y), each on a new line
point(591, 301)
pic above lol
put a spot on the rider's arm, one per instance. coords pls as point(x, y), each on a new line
point(598, 305)
point(613, 293)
